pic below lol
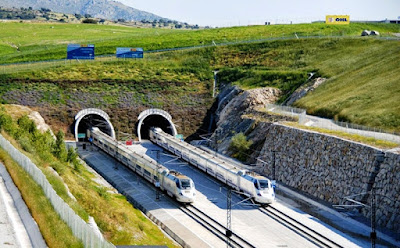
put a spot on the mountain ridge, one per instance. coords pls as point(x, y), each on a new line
point(107, 9)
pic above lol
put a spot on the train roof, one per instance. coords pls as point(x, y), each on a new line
point(132, 154)
point(220, 162)
point(178, 175)
point(255, 175)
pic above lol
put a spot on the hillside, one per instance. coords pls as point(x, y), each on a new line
point(111, 10)
point(22, 42)
point(180, 81)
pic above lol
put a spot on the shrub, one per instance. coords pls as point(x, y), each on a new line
point(240, 146)
point(72, 156)
point(90, 21)
point(59, 149)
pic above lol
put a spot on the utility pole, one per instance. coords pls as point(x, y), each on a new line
point(373, 218)
point(216, 142)
point(116, 145)
point(273, 166)
point(228, 217)
point(158, 180)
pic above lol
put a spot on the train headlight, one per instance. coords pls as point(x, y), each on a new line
point(259, 194)
point(180, 193)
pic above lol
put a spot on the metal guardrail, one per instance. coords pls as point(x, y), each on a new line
point(79, 227)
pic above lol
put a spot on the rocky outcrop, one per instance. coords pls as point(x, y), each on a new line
point(233, 103)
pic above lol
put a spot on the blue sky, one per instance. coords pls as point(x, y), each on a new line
point(232, 12)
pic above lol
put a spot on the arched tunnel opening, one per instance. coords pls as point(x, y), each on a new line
point(155, 121)
point(94, 120)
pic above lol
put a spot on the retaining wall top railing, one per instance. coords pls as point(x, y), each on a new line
point(285, 109)
point(79, 227)
point(347, 127)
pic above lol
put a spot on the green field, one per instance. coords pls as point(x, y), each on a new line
point(21, 42)
point(363, 72)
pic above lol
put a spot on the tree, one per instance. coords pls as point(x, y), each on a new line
point(72, 156)
point(240, 146)
point(59, 149)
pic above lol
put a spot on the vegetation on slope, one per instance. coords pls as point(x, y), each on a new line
point(21, 42)
point(363, 75)
point(364, 83)
point(119, 222)
point(54, 231)
point(366, 68)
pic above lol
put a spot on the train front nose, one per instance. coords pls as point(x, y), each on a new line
point(187, 196)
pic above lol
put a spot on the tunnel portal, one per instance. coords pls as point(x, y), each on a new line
point(154, 118)
point(92, 117)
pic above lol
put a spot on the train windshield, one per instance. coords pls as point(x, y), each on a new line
point(263, 184)
point(185, 183)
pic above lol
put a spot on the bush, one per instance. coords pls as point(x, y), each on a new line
point(72, 156)
point(240, 146)
point(90, 21)
point(26, 144)
point(59, 150)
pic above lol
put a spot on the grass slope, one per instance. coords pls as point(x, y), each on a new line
point(361, 88)
point(54, 230)
point(21, 42)
point(364, 83)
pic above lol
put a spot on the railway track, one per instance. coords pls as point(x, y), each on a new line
point(215, 227)
point(301, 229)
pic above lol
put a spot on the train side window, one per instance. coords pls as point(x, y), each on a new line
point(177, 184)
point(138, 167)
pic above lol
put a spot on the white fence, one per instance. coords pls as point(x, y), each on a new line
point(79, 227)
point(285, 110)
point(346, 127)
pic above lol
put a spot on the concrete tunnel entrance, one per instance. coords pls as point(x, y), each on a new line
point(92, 117)
point(154, 118)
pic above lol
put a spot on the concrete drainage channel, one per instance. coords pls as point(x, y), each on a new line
point(26, 231)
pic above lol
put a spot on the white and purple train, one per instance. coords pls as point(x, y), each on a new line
point(174, 183)
point(254, 186)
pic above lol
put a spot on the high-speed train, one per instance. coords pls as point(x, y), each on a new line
point(174, 183)
point(250, 183)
